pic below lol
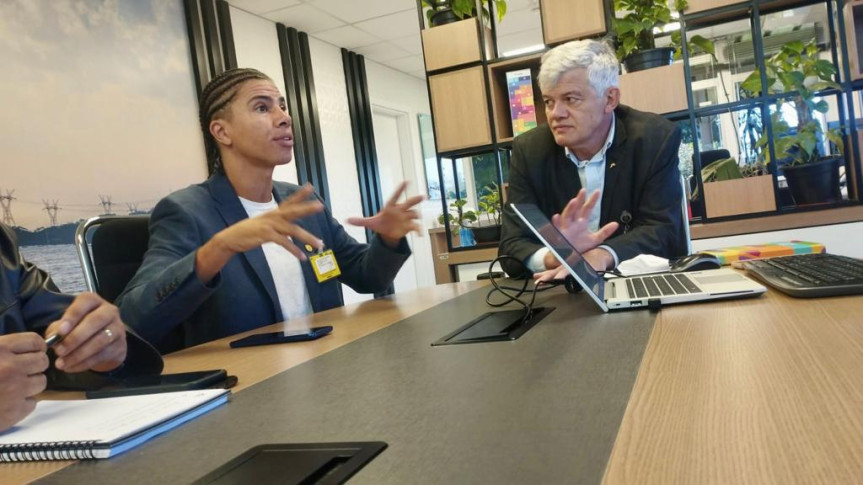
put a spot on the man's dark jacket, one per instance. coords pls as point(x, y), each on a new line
point(641, 180)
point(30, 302)
point(167, 304)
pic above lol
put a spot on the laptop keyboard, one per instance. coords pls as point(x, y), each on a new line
point(660, 285)
point(811, 274)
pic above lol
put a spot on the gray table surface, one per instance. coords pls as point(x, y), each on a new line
point(542, 409)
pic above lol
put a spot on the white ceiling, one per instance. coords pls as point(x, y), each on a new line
point(385, 31)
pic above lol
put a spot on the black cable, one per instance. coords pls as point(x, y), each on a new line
point(504, 290)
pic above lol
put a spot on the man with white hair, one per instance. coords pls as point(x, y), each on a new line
point(606, 174)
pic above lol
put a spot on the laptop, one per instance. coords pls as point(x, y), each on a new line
point(652, 290)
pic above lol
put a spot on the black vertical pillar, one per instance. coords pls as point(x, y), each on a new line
point(363, 133)
point(303, 107)
point(211, 41)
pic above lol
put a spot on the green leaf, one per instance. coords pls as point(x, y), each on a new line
point(752, 84)
point(725, 169)
point(501, 9)
point(704, 44)
point(807, 141)
point(821, 106)
point(795, 46)
point(835, 136)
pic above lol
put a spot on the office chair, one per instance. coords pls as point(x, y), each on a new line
point(116, 252)
point(118, 247)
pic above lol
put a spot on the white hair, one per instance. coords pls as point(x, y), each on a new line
point(594, 56)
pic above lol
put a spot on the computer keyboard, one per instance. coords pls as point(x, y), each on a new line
point(810, 275)
point(661, 285)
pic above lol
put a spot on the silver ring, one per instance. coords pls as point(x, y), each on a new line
point(110, 334)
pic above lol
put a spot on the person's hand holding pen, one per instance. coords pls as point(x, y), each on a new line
point(89, 336)
point(23, 362)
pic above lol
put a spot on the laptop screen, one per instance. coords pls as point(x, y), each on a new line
point(586, 276)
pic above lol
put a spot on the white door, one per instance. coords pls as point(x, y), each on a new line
point(392, 144)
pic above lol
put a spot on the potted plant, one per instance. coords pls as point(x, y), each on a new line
point(487, 229)
point(457, 217)
point(636, 37)
point(798, 72)
point(441, 12)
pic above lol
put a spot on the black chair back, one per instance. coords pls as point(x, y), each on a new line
point(118, 248)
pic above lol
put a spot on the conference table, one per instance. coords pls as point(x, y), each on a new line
point(759, 390)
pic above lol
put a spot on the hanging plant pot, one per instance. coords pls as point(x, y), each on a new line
point(443, 17)
point(814, 183)
point(646, 59)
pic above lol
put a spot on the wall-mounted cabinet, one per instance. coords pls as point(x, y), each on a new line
point(658, 90)
point(460, 109)
point(563, 20)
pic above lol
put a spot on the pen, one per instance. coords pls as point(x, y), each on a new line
point(53, 340)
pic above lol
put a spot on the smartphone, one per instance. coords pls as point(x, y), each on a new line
point(282, 337)
point(184, 381)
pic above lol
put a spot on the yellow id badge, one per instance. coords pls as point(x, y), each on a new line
point(325, 265)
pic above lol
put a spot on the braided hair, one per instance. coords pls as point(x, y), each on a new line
point(217, 95)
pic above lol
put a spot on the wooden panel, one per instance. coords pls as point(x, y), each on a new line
point(658, 90)
point(702, 5)
point(853, 15)
point(460, 109)
point(741, 196)
point(445, 261)
point(777, 223)
point(571, 19)
point(451, 44)
point(765, 390)
point(254, 364)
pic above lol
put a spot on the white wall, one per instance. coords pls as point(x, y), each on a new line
point(257, 46)
point(337, 140)
point(844, 239)
point(398, 91)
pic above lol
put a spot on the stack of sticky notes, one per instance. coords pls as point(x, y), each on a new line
point(761, 251)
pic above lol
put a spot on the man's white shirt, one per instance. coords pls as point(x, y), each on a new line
point(285, 268)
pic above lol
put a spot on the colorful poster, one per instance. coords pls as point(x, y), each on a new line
point(522, 109)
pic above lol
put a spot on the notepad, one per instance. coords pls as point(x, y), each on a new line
point(102, 428)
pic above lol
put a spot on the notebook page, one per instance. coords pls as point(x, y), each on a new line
point(103, 420)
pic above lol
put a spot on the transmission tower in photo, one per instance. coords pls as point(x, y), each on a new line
point(6, 202)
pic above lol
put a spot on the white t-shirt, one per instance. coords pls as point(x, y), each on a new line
point(285, 268)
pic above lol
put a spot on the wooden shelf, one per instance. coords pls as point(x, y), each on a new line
point(460, 109)
point(696, 6)
point(564, 20)
point(453, 44)
point(658, 90)
point(500, 92)
point(741, 196)
point(853, 15)
point(782, 222)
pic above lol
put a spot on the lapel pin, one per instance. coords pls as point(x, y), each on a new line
point(612, 165)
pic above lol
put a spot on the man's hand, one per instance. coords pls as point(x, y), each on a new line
point(22, 365)
point(598, 259)
point(275, 226)
point(94, 337)
point(573, 222)
point(395, 220)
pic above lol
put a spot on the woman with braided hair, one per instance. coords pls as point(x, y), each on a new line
point(238, 251)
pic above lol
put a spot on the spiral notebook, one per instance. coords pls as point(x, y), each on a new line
point(102, 428)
